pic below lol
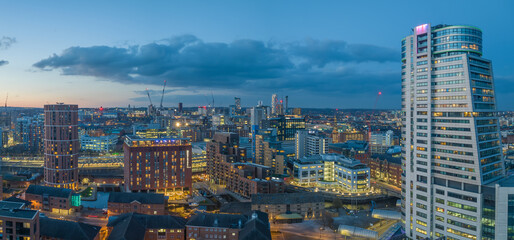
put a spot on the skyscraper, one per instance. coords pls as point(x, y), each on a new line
point(237, 101)
point(274, 104)
point(452, 157)
point(61, 145)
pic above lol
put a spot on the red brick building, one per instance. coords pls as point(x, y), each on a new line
point(61, 146)
point(54, 229)
point(208, 226)
point(51, 199)
point(341, 137)
point(157, 164)
point(17, 223)
point(226, 166)
point(144, 203)
point(224, 147)
point(386, 168)
point(150, 227)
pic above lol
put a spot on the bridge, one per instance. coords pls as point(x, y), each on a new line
point(94, 166)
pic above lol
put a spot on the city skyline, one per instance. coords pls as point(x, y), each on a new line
point(330, 55)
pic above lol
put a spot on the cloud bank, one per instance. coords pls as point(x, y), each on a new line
point(187, 62)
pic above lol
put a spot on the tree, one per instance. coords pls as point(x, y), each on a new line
point(337, 203)
point(327, 219)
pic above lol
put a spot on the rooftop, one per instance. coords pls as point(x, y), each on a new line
point(387, 157)
point(18, 200)
point(332, 157)
point(286, 198)
point(132, 226)
point(67, 230)
point(51, 191)
point(351, 144)
point(10, 209)
point(217, 220)
point(236, 207)
point(11, 205)
point(143, 198)
point(254, 225)
point(507, 181)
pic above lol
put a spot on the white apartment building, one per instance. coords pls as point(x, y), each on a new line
point(332, 170)
point(307, 144)
point(451, 150)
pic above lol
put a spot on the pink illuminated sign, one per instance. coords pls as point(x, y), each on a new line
point(421, 29)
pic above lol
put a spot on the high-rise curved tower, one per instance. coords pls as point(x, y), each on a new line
point(61, 146)
point(452, 158)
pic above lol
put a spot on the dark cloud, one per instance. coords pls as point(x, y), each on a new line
point(6, 42)
point(184, 61)
point(319, 53)
point(155, 92)
point(250, 66)
point(3, 62)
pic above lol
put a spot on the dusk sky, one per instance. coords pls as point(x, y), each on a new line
point(320, 53)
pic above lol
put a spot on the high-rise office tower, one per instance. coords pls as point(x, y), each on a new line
point(61, 146)
point(257, 115)
point(452, 159)
point(286, 105)
point(274, 104)
point(237, 101)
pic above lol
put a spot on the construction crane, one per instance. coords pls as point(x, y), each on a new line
point(148, 93)
point(372, 113)
point(162, 97)
point(213, 109)
point(376, 101)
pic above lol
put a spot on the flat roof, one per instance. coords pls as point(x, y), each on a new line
point(143, 198)
point(11, 205)
point(18, 213)
point(138, 138)
point(507, 182)
point(51, 191)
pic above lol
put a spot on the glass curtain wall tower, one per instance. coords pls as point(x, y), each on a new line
point(451, 150)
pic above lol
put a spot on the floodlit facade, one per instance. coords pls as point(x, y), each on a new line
point(332, 170)
point(98, 144)
point(451, 154)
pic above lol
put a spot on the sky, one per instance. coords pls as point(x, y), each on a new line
point(334, 54)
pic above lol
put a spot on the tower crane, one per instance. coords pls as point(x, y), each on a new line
point(148, 93)
point(151, 107)
point(372, 113)
point(162, 97)
point(376, 101)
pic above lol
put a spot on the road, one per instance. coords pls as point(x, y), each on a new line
point(77, 218)
point(306, 230)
